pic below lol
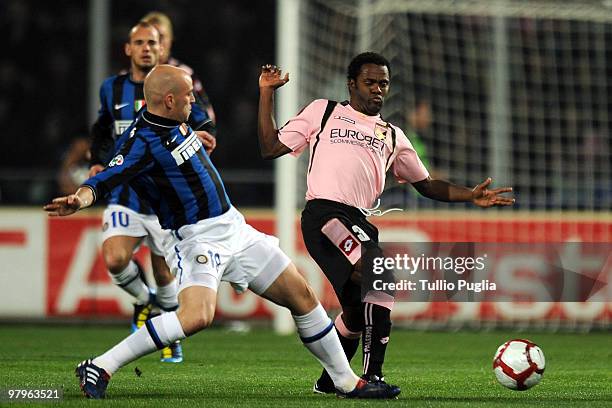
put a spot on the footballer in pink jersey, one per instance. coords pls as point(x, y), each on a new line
point(351, 149)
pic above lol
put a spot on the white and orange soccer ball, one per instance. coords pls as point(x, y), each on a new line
point(519, 364)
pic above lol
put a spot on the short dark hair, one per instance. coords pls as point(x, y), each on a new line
point(141, 24)
point(354, 67)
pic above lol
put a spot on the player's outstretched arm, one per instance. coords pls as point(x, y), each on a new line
point(442, 190)
point(70, 204)
point(270, 79)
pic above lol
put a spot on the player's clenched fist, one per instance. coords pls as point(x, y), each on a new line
point(271, 77)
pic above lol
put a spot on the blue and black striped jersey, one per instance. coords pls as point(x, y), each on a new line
point(165, 163)
point(120, 101)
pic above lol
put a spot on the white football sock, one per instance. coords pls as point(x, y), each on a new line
point(129, 281)
point(167, 295)
point(318, 335)
point(153, 335)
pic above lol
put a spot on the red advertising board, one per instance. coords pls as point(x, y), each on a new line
point(78, 284)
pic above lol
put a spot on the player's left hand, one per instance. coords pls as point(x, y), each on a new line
point(483, 197)
point(208, 140)
point(95, 169)
point(63, 206)
point(271, 77)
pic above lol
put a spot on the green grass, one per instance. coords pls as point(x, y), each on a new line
point(260, 369)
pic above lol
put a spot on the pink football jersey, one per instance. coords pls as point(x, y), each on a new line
point(350, 156)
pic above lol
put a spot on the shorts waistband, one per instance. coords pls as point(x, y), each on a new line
point(321, 203)
point(218, 223)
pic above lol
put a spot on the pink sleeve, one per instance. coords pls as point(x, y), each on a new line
point(407, 166)
point(296, 133)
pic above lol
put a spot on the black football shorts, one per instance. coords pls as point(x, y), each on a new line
point(335, 234)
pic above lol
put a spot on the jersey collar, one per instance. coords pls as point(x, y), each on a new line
point(159, 120)
point(374, 118)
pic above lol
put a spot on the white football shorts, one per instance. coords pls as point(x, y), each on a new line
point(225, 248)
point(122, 221)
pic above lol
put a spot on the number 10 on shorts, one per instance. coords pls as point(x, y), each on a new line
point(119, 218)
point(215, 258)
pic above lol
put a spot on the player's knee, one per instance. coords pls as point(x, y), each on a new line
point(292, 291)
point(194, 318)
point(116, 259)
point(352, 307)
point(202, 321)
point(301, 301)
point(162, 274)
point(353, 318)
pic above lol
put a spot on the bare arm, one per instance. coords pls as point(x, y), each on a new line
point(269, 144)
point(442, 190)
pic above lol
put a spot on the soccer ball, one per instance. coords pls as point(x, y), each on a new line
point(519, 364)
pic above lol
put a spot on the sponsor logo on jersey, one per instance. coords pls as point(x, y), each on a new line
point(355, 137)
point(119, 106)
point(186, 149)
point(121, 126)
point(138, 104)
point(202, 259)
point(117, 161)
point(349, 120)
point(169, 142)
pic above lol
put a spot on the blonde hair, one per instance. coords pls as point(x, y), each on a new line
point(159, 18)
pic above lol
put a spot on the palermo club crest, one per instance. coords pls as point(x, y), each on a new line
point(380, 131)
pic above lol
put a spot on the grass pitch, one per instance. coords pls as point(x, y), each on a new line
point(224, 369)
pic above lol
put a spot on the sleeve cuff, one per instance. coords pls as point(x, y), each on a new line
point(93, 192)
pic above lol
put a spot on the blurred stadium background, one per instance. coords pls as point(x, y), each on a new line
point(517, 90)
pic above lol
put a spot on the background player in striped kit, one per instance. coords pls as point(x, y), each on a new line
point(128, 220)
point(351, 148)
point(210, 241)
point(164, 25)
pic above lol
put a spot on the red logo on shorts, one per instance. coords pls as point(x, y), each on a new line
point(348, 244)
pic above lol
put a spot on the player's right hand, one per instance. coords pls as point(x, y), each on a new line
point(208, 141)
point(271, 77)
point(63, 206)
point(95, 169)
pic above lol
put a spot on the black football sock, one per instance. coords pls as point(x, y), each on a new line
point(375, 338)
